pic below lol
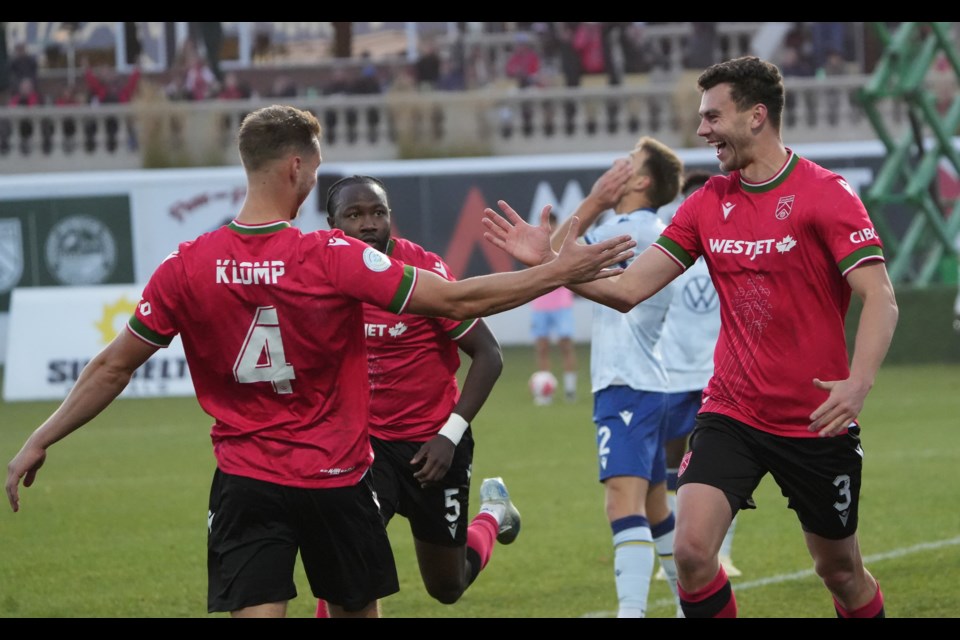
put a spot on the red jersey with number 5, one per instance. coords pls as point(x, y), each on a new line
point(413, 360)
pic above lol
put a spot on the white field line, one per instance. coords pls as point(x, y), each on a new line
point(800, 575)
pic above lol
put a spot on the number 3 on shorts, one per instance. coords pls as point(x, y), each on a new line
point(261, 359)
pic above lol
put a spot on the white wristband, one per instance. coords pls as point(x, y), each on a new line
point(454, 428)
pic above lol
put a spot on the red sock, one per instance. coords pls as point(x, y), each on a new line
point(322, 611)
point(873, 609)
point(716, 600)
point(482, 535)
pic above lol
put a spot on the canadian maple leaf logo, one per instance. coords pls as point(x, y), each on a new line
point(786, 244)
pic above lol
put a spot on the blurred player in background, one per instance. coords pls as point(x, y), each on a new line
point(271, 320)
point(551, 318)
point(419, 418)
point(689, 336)
point(628, 376)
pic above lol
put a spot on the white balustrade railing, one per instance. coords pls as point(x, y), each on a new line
point(491, 121)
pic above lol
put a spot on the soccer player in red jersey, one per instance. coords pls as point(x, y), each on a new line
point(271, 320)
point(786, 242)
point(419, 418)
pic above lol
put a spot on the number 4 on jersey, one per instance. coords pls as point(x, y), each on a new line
point(261, 359)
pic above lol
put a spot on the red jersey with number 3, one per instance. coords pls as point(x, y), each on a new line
point(778, 253)
point(271, 321)
point(412, 360)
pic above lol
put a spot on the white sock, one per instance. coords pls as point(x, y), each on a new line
point(664, 546)
point(633, 560)
point(496, 509)
point(570, 381)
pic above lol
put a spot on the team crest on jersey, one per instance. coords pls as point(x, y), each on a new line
point(784, 207)
point(375, 260)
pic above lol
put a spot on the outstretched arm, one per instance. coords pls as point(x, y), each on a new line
point(482, 296)
point(878, 319)
point(100, 382)
point(648, 273)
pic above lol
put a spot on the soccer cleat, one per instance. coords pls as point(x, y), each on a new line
point(493, 491)
point(732, 571)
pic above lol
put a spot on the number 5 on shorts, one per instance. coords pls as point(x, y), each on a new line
point(261, 359)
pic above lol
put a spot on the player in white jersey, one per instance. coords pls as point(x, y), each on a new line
point(689, 335)
point(628, 377)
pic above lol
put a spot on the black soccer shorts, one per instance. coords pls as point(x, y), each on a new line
point(256, 529)
point(437, 514)
point(820, 477)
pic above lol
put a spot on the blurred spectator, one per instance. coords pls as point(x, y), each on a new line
point(701, 46)
point(4, 63)
point(106, 86)
point(477, 67)
point(427, 65)
point(588, 43)
point(452, 76)
point(794, 64)
point(833, 65)
point(233, 87)
point(26, 95)
point(613, 36)
point(523, 65)
point(827, 38)
point(70, 95)
point(199, 81)
point(367, 82)
point(640, 53)
point(699, 53)
point(210, 34)
point(568, 59)
point(340, 83)
point(22, 65)
point(283, 86)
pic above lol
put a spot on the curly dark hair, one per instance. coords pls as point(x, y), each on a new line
point(752, 81)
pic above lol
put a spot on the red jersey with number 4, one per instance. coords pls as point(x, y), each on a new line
point(412, 360)
point(778, 253)
point(272, 326)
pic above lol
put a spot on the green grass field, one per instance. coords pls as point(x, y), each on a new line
point(115, 526)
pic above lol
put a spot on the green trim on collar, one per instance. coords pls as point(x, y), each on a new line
point(260, 229)
point(776, 180)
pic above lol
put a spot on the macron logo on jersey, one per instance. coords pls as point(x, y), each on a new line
point(438, 267)
point(333, 242)
point(727, 208)
point(752, 248)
